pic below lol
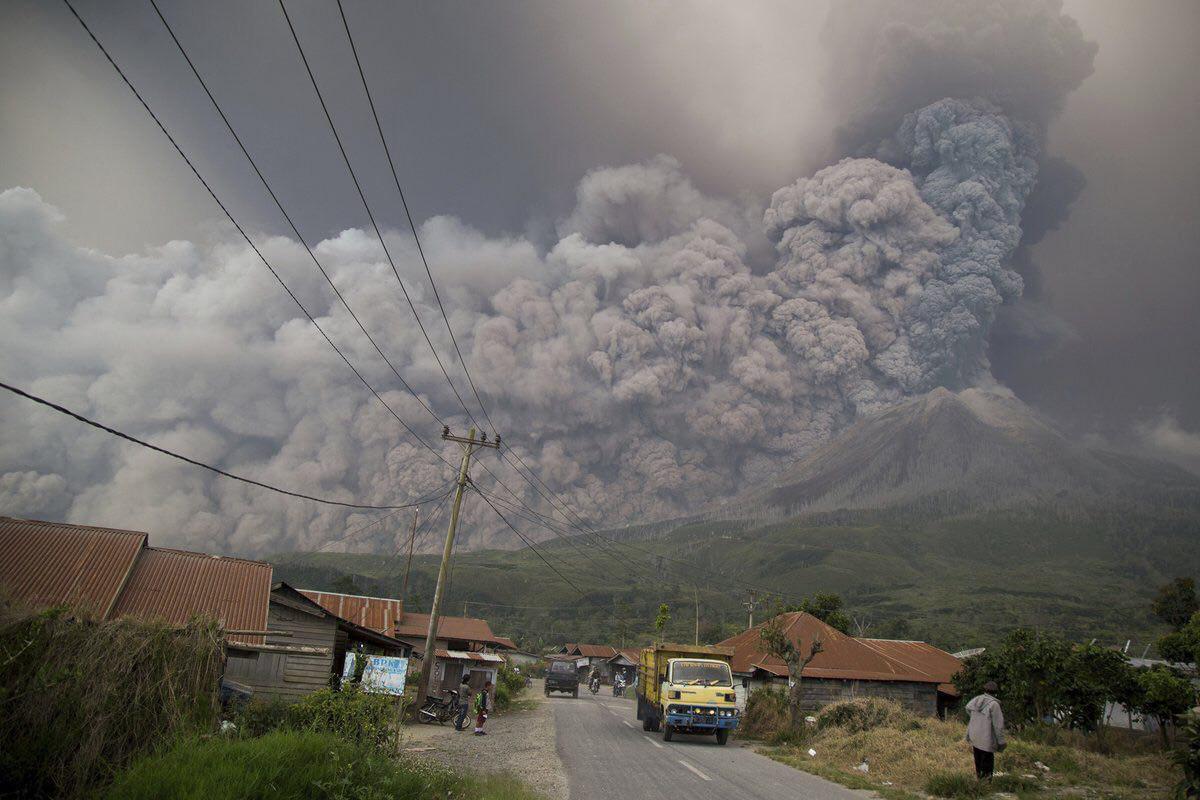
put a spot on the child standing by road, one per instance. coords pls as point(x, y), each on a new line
point(481, 708)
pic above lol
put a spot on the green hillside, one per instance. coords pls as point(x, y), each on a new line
point(956, 582)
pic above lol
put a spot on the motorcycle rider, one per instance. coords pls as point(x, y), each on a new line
point(594, 680)
point(619, 685)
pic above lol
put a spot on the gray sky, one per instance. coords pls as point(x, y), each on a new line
point(496, 111)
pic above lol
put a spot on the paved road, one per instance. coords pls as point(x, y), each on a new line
point(606, 755)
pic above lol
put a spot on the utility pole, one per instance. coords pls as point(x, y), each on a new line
point(469, 444)
point(752, 605)
point(412, 537)
point(697, 594)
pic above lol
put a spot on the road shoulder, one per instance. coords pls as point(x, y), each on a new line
point(520, 742)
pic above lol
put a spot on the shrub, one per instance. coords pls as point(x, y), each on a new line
point(258, 717)
point(955, 785)
point(864, 714)
point(350, 714)
point(766, 714)
point(80, 700)
point(1187, 757)
point(509, 683)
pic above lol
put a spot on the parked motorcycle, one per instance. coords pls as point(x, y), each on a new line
point(439, 710)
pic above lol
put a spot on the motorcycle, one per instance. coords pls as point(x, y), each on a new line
point(594, 686)
point(439, 710)
point(618, 689)
point(528, 682)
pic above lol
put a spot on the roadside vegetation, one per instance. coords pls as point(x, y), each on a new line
point(80, 700)
point(128, 709)
point(299, 764)
point(910, 756)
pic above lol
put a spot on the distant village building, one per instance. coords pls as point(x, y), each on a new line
point(915, 674)
point(589, 656)
point(624, 663)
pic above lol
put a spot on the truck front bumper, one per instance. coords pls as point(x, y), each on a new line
point(707, 722)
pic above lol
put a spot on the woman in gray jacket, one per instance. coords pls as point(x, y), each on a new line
point(985, 731)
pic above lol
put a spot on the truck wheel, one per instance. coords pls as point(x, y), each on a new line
point(668, 732)
point(722, 735)
point(576, 692)
point(547, 691)
point(646, 724)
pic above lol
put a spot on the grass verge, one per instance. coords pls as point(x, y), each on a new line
point(910, 756)
point(291, 764)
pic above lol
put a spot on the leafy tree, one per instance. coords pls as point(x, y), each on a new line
point(796, 657)
point(826, 607)
point(660, 621)
point(1092, 676)
point(1182, 645)
point(1165, 696)
point(1176, 602)
point(1187, 757)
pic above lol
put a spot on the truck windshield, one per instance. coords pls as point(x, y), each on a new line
point(561, 666)
point(702, 673)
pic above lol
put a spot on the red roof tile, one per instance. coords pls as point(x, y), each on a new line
point(45, 564)
point(176, 585)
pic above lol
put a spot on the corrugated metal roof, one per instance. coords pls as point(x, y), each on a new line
point(468, 629)
point(505, 642)
point(919, 657)
point(842, 657)
point(45, 564)
point(592, 650)
point(176, 585)
point(463, 655)
point(377, 613)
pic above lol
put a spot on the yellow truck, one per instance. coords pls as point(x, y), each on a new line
point(684, 688)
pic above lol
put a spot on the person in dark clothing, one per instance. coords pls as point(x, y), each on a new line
point(464, 703)
point(482, 701)
point(985, 731)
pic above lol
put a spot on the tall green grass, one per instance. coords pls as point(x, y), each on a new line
point(79, 699)
point(294, 764)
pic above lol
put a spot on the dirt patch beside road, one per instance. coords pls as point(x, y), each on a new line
point(519, 741)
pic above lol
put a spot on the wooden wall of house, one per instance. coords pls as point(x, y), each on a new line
point(287, 675)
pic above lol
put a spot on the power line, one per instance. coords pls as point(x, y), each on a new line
point(370, 215)
point(120, 434)
point(404, 202)
point(536, 552)
point(212, 193)
point(286, 216)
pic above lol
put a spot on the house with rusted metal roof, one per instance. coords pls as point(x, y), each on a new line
point(915, 674)
point(387, 616)
point(305, 649)
point(107, 573)
point(590, 656)
point(624, 663)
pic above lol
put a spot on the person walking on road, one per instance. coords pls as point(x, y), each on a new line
point(464, 703)
point(481, 708)
point(985, 731)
